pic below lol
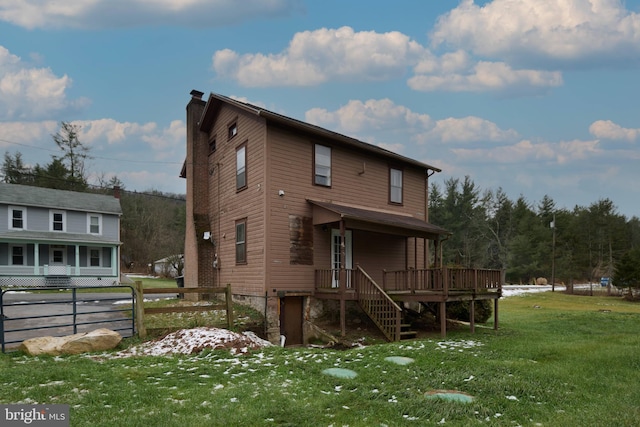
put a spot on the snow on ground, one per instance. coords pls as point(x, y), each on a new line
point(191, 341)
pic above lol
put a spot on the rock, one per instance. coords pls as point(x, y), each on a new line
point(541, 281)
point(97, 340)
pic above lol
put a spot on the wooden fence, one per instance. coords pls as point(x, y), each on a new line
point(141, 310)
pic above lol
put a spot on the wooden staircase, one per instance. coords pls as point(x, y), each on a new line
point(381, 309)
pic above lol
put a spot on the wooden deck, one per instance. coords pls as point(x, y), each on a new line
point(440, 285)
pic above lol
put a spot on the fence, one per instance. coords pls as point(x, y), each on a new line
point(141, 310)
point(27, 312)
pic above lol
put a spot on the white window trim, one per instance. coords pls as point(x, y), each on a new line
point(64, 220)
point(99, 216)
point(24, 217)
point(89, 249)
point(24, 254)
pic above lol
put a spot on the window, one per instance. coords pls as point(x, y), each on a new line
point(395, 186)
point(233, 130)
point(241, 167)
point(322, 160)
point(212, 146)
point(57, 220)
point(241, 241)
point(17, 218)
point(94, 257)
point(17, 255)
point(94, 224)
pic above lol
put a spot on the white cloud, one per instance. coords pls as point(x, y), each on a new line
point(358, 116)
point(314, 57)
point(456, 74)
point(93, 14)
point(467, 129)
point(526, 31)
point(28, 93)
point(606, 129)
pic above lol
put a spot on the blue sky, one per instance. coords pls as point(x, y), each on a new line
point(536, 97)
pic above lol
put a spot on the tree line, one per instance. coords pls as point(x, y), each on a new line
point(527, 241)
point(153, 223)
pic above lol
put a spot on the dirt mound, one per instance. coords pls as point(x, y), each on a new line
point(192, 341)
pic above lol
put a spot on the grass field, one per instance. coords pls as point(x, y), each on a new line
point(557, 360)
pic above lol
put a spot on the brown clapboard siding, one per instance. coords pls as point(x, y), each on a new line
point(227, 205)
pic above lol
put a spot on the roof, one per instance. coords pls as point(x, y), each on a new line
point(214, 101)
point(385, 220)
point(55, 237)
point(25, 195)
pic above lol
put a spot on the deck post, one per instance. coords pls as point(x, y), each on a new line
point(472, 315)
point(495, 314)
point(139, 312)
point(443, 319)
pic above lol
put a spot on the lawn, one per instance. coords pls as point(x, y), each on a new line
point(557, 360)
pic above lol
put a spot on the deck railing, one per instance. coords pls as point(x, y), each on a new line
point(329, 279)
point(442, 280)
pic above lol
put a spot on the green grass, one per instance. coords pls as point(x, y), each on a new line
point(557, 360)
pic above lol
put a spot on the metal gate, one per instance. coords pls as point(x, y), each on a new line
point(59, 311)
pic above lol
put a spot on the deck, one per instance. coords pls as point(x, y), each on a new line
point(440, 285)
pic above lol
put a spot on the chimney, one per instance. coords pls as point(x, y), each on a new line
point(196, 94)
point(116, 191)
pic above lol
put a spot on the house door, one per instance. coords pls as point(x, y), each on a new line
point(335, 255)
point(57, 260)
point(291, 320)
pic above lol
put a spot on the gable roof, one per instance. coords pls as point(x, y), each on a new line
point(25, 195)
point(216, 100)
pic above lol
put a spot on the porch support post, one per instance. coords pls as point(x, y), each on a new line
point(436, 257)
point(495, 314)
point(77, 269)
point(343, 282)
point(36, 259)
point(443, 319)
point(472, 315)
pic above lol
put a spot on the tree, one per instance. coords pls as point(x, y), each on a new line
point(627, 271)
point(14, 171)
point(75, 154)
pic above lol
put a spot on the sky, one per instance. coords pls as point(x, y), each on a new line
point(534, 97)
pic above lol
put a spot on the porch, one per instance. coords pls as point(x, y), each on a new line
point(382, 302)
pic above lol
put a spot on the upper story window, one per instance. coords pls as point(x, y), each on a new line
point(212, 146)
point(322, 161)
point(17, 218)
point(241, 241)
point(18, 254)
point(94, 224)
point(233, 129)
point(395, 186)
point(58, 220)
point(241, 167)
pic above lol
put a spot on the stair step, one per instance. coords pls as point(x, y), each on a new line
point(408, 333)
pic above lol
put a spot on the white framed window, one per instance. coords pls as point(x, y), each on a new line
point(94, 223)
point(95, 260)
point(395, 186)
point(322, 160)
point(58, 220)
point(17, 218)
point(18, 254)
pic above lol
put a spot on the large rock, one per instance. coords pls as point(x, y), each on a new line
point(97, 340)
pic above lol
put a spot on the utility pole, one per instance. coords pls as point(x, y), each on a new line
point(553, 255)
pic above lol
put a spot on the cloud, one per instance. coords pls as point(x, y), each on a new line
point(462, 76)
point(358, 116)
point(93, 14)
point(528, 31)
point(383, 115)
point(467, 129)
point(29, 93)
point(606, 129)
point(314, 57)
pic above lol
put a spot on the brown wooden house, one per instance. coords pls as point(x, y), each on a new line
point(290, 214)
